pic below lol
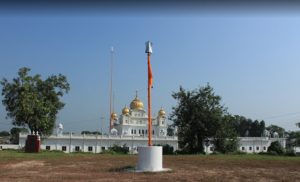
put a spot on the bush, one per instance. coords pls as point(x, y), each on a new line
point(237, 153)
point(117, 150)
point(264, 153)
point(275, 148)
point(181, 152)
point(225, 146)
point(216, 153)
point(290, 152)
point(167, 149)
point(51, 151)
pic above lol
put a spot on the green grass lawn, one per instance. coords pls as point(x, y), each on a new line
point(16, 154)
point(20, 166)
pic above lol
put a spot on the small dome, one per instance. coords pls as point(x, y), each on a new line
point(113, 116)
point(125, 110)
point(161, 113)
point(60, 126)
point(136, 104)
point(114, 131)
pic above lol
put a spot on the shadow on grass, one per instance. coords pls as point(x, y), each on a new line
point(127, 168)
point(131, 168)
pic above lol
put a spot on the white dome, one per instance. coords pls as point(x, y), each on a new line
point(114, 131)
point(60, 126)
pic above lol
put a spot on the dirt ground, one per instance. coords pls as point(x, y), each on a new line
point(98, 167)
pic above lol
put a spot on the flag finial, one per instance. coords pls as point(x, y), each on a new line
point(148, 47)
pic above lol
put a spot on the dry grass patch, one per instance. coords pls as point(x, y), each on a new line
point(97, 167)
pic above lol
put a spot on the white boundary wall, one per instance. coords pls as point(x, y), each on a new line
point(9, 146)
point(252, 144)
point(98, 143)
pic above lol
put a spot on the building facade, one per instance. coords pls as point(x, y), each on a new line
point(130, 129)
point(251, 144)
point(134, 121)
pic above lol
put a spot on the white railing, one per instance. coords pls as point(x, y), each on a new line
point(106, 137)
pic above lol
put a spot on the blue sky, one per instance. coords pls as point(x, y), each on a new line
point(250, 59)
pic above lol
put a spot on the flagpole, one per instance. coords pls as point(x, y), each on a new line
point(111, 88)
point(149, 108)
point(149, 51)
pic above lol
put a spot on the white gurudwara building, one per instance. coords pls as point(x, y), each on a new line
point(134, 121)
point(130, 129)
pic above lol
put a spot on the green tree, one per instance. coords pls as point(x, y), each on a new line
point(242, 125)
point(14, 138)
point(275, 148)
point(170, 130)
point(257, 128)
point(91, 132)
point(32, 101)
point(4, 133)
point(293, 139)
point(278, 129)
point(246, 127)
point(225, 139)
point(198, 116)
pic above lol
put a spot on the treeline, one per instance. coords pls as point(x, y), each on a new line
point(91, 132)
point(245, 127)
point(13, 134)
point(200, 118)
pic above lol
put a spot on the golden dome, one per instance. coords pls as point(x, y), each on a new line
point(125, 110)
point(136, 104)
point(161, 113)
point(113, 116)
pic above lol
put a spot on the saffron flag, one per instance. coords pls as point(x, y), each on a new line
point(150, 77)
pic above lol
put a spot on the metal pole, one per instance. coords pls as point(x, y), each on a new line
point(149, 52)
point(111, 88)
point(149, 109)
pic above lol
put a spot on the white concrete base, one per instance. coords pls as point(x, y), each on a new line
point(150, 159)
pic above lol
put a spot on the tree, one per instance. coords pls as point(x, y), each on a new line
point(14, 138)
point(198, 116)
point(248, 128)
point(170, 130)
point(91, 132)
point(32, 101)
point(257, 128)
point(225, 139)
point(293, 139)
point(277, 129)
point(242, 125)
point(4, 133)
point(275, 148)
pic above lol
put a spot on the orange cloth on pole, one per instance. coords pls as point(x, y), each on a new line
point(150, 77)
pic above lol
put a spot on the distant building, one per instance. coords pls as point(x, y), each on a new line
point(134, 121)
point(251, 144)
point(130, 130)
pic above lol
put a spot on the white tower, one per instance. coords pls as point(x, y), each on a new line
point(59, 129)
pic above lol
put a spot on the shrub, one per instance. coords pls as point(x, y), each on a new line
point(275, 148)
point(167, 149)
point(237, 153)
point(117, 150)
point(290, 152)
